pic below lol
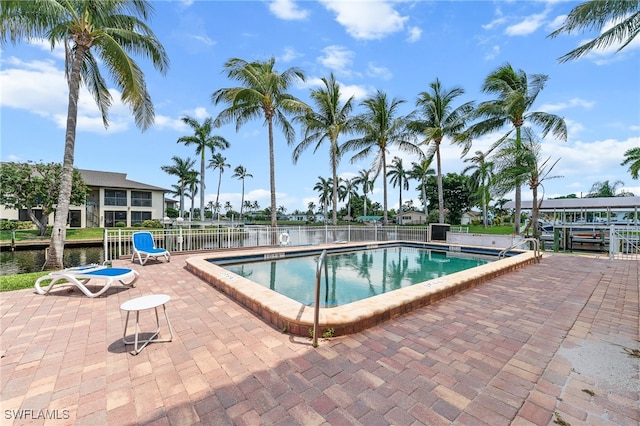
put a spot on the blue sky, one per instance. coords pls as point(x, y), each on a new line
point(399, 47)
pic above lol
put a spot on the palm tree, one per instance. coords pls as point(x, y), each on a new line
point(324, 187)
point(398, 176)
point(211, 209)
point(596, 14)
point(202, 139)
point(633, 158)
point(439, 119)
point(349, 188)
point(516, 93)
point(262, 94)
point(218, 162)
point(311, 206)
point(181, 168)
point(518, 162)
point(604, 189)
point(240, 172)
point(365, 179)
point(112, 30)
point(191, 187)
point(247, 205)
point(228, 207)
point(421, 171)
point(330, 119)
point(381, 129)
point(482, 172)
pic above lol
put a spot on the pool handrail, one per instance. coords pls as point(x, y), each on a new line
point(534, 241)
point(316, 312)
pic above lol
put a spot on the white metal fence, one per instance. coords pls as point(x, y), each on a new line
point(117, 242)
point(624, 242)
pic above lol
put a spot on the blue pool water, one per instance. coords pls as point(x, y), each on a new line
point(357, 275)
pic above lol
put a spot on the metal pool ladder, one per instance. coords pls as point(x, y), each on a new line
point(536, 248)
point(316, 312)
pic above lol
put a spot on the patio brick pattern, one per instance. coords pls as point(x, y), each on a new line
point(545, 343)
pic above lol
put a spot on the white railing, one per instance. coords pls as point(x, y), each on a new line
point(624, 242)
point(117, 242)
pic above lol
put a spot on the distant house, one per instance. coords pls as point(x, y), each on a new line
point(171, 204)
point(317, 217)
point(112, 199)
point(369, 219)
point(413, 218)
point(469, 216)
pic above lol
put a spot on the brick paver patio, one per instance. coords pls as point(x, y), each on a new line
point(547, 343)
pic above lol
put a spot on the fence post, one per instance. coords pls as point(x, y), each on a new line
point(105, 245)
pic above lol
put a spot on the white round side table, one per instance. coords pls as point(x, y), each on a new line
point(141, 304)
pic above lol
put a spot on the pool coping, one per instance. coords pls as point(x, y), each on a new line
point(296, 318)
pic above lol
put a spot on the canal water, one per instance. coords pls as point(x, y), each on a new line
point(23, 261)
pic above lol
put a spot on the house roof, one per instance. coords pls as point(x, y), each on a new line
point(596, 203)
point(114, 180)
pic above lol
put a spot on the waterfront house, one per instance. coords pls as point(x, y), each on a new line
point(112, 199)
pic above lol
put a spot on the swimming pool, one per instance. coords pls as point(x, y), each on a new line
point(296, 318)
point(353, 275)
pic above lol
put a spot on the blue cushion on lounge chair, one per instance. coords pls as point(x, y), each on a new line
point(144, 247)
point(81, 275)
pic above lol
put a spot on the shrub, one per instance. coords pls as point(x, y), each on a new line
point(152, 224)
point(10, 225)
point(121, 225)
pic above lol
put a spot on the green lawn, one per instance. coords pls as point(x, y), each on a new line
point(72, 234)
point(19, 281)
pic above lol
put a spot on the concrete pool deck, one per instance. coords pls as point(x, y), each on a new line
point(547, 342)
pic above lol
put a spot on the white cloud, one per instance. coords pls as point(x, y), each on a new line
point(337, 58)
point(495, 51)
point(588, 162)
point(287, 10)
point(571, 103)
point(41, 88)
point(367, 20)
point(527, 26)
point(381, 72)
point(289, 55)
point(204, 39)
point(164, 122)
point(414, 34)
point(495, 22)
point(556, 23)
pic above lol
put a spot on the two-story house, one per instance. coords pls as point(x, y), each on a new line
point(112, 199)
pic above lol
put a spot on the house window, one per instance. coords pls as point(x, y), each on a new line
point(75, 218)
point(113, 197)
point(140, 199)
point(113, 217)
point(139, 217)
point(24, 216)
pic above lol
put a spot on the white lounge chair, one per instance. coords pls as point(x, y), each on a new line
point(81, 275)
point(144, 245)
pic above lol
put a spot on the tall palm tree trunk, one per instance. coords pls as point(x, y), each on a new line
point(242, 203)
point(399, 221)
point(202, 167)
point(440, 189)
point(59, 231)
point(518, 192)
point(365, 202)
point(272, 182)
point(334, 196)
point(218, 194)
point(385, 219)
